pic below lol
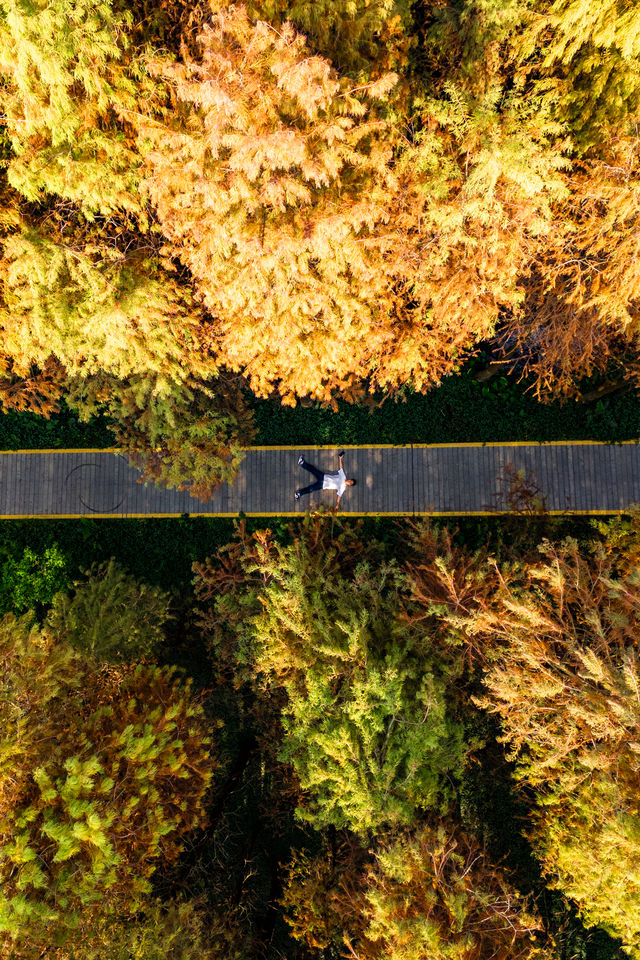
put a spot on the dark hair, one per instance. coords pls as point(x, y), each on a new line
point(353, 482)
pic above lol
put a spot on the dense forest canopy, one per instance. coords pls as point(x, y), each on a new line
point(309, 201)
point(396, 744)
point(330, 790)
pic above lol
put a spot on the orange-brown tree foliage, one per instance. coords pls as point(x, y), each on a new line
point(363, 38)
point(270, 183)
point(430, 894)
point(330, 244)
point(565, 683)
point(582, 294)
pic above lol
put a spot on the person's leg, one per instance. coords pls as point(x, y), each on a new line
point(304, 491)
point(318, 474)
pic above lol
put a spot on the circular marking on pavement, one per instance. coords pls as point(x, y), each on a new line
point(84, 482)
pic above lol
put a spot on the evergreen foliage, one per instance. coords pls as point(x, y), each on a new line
point(32, 581)
point(118, 335)
point(584, 57)
point(362, 38)
point(191, 438)
point(96, 310)
point(366, 723)
point(110, 617)
point(315, 200)
point(173, 931)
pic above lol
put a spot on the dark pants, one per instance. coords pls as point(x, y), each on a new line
point(318, 474)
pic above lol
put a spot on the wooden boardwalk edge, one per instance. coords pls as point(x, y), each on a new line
point(440, 480)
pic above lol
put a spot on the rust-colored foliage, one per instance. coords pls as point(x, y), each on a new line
point(448, 590)
point(330, 245)
point(566, 685)
point(565, 628)
point(436, 894)
point(320, 900)
point(582, 294)
point(39, 391)
point(433, 894)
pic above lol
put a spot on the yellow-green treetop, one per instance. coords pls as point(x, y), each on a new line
point(101, 773)
point(95, 310)
point(69, 80)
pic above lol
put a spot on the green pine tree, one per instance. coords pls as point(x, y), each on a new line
point(366, 719)
point(110, 616)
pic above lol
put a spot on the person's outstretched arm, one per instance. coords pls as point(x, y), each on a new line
point(340, 459)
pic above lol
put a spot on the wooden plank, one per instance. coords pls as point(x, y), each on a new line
point(451, 488)
point(594, 475)
point(420, 470)
point(543, 494)
point(633, 472)
point(572, 486)
point(409, 467)
point(403, 479)
point(19, 490)
point(28, 478)
point(449, 495)
point(485, 480)
point(623, 462)
point(405, 489)
point(11, 497)
point(559, 473)
point(614, 497)
point(548, 475)
point(108, 477)
point(7, 470)
point(618, 477)
point(605, 478)
point(578, 496)
point(474, 478)
point(602, 479)
point(459, 478)
point(560, 468)
point(585, 461)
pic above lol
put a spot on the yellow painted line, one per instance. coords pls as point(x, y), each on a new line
point(65, 450)
point(529, 443)
point(513, 513)
point(334, 446)
point(345, 514)
point(369, 446)
point(428, 446)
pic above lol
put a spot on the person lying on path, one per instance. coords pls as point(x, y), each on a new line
point(325, 481)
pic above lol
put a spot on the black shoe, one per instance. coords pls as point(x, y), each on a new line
point(300, 461)
point(297, 495)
